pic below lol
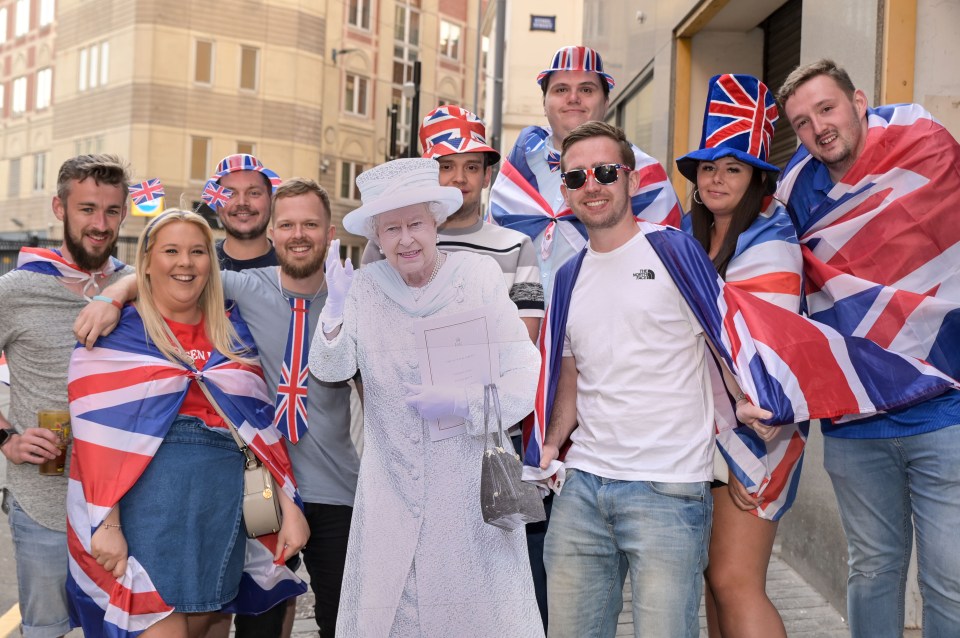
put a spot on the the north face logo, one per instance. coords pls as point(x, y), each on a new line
point(646, 273)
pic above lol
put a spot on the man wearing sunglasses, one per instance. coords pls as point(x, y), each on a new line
point(632, 400)
point(526, 194)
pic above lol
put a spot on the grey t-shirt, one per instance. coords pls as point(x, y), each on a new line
point(36, 331)
point(325, 461)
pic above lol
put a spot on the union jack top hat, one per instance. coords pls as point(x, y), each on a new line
point(737, 122)
point(448, 130)
point(244, 162)
point(576, 59)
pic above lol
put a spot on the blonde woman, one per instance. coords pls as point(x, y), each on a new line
point(157, 540)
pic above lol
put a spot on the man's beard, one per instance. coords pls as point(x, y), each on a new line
point(300, 270)
point(253, 233)
point(82, 257)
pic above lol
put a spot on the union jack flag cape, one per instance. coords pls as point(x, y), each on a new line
point(123, 397)
point(796, 368)
point(47, 261)
point(880, 251)
point(517, 201)
point(767, 264)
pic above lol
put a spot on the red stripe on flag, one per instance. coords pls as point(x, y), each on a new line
point(105, 382)
point(780, 476)
point(145, 602)
point(509, 171)
point(786, 283)
point(107, 473)
point(894, 316)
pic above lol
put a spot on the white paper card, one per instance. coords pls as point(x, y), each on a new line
point(457, 349)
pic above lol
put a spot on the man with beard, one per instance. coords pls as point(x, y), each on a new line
point(39, 302)
point(633, 399)
point(281, 305)
point(246, 214)
point(325, 461)
point(874, 194)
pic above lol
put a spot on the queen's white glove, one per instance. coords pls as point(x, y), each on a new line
point(435, 401)
point(339, 279)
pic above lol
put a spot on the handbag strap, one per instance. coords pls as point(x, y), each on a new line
point(490, 396)
point(252, 460)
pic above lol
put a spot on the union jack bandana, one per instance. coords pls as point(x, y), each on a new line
point(738, 122)
point(291, 403)
point(146, 191)
point(215, 195)
point(449, 130)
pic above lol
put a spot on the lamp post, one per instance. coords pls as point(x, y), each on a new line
point(412, 90)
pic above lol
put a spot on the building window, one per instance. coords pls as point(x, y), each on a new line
point(94, 66)
point(199, 157)
point(22, 24)
point(13, 179)
point(246, 148)
point(355, 95)
point(450, 39)
point(19, 106)
point(40, 172)
point(406, 28)
point(348, 180)
point(46, 12)
point(249, 68)
point(203, 62)
point(44, 88)
point(3, 25)
point(359, 14)
point(3, 97)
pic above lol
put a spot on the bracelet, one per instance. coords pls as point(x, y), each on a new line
point(116, 303)
point(111, 525)
point(740, 397)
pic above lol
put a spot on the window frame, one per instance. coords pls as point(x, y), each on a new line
point(445, 48)
point(212, 62)
point(19, 97)
point(21, 22)
point(256, 69)
point(360, 93)
point(47, 84)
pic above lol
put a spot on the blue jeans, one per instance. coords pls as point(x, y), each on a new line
point(41, 555)
point(884, 488)
point(602, 527)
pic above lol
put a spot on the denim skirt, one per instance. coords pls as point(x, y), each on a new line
point(182, 518)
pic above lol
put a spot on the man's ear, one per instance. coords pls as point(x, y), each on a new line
point(563, 191)
point(487, 173)
point(860, 102)
point(59, 210)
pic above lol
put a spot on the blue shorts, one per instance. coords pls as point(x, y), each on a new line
point(182, 518)
point(41, 555)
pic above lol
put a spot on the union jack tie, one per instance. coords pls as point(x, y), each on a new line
point(291, 416)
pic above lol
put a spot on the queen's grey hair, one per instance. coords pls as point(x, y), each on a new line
point(434, 208)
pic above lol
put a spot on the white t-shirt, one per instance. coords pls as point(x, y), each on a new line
point(644, 401)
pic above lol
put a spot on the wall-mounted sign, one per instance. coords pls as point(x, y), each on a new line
point(543, 23)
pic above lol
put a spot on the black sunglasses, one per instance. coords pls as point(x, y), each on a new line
point(605, 174)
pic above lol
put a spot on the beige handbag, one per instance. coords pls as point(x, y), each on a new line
point(261, 501)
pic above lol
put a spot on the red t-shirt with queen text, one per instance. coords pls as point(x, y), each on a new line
point(193, 339)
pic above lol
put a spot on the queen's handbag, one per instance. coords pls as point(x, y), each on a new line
point(505, 500)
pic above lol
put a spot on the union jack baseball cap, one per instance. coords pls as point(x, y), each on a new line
point(737, 122)
point(244, 162)
point(449, 130)
point(576, 59)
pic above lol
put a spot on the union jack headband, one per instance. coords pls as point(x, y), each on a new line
point(576, 59)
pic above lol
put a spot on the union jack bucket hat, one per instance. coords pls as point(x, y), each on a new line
point(244, 162)
point(737, 122)
point(449, 130)
point(576, 59)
